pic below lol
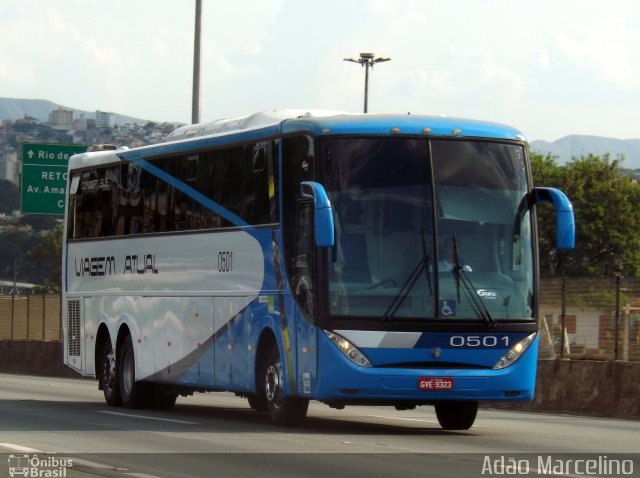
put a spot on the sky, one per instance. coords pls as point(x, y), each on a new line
point(548, 67)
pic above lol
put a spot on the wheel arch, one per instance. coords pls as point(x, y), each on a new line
point(265, 342)
point(103, 336)
point(271, 336)
point(123, 331)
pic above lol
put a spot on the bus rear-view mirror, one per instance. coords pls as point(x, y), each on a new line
point(323, 214)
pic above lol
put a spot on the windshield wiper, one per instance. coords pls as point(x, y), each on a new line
point(423, 265)
point(470, 291)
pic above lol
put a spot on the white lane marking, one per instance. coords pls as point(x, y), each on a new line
point(89, 464)
point(400, 418)
point(23, 449)
point(411, 419)
point(92, 464)
point(131, 415)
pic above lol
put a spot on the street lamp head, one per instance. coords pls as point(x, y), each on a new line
point(367, 60)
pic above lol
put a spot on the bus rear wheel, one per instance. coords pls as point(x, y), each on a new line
point(109, 380)
point(283, 410)
point(456, 415)
point(132, 393)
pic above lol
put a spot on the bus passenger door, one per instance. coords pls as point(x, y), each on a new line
point(298, 166)
point(304, 291)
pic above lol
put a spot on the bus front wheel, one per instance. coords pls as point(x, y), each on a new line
point(456, 415)
point(283, 410)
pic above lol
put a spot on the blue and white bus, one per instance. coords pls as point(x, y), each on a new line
point(291, 256)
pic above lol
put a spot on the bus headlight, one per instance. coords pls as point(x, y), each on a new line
point(348, 349)
point(515, 352)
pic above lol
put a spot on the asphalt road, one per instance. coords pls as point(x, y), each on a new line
point(63, 426)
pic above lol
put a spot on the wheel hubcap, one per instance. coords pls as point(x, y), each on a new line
point(273, 383)
point(109, 371)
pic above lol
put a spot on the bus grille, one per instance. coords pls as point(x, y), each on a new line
point(73, 321)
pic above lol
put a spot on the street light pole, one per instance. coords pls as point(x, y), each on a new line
point(195, 101)
point(366, 86)
point(367, 60)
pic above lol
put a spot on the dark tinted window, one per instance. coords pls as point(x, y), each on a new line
point(204, 190)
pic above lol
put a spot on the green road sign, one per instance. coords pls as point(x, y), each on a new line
point(44, 176)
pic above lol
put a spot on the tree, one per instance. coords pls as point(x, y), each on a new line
point(605, 203)
point(14, 246)
point(48, 256)
point(9, 197)
point(40, 222)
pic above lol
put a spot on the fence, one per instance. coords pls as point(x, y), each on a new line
point(590, 318)
point(580, 318)
point(30, 317)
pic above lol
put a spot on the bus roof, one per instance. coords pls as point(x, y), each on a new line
point(401, 124)
point(315, 122)
point(255, 121)
point(337, 122)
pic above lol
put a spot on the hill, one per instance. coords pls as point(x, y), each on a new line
point(581, 145)
point(564, 148)
point(13, 109)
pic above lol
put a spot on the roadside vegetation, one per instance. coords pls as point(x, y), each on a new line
point(605, 198)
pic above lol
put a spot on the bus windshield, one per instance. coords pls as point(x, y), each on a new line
point(428, 230)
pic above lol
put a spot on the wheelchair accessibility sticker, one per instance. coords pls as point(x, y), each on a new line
point(447, 308)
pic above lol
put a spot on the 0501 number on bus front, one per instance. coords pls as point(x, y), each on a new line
point(472, 341)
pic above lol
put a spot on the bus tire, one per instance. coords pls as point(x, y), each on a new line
point(456, 415)
point(109, 380)
point(283, 410)
point(132, 393)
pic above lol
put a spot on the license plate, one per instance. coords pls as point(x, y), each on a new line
point(435, 383)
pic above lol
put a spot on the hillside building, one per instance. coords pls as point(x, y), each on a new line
point(61, 119)
point(105, 120)
point(9, 166)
